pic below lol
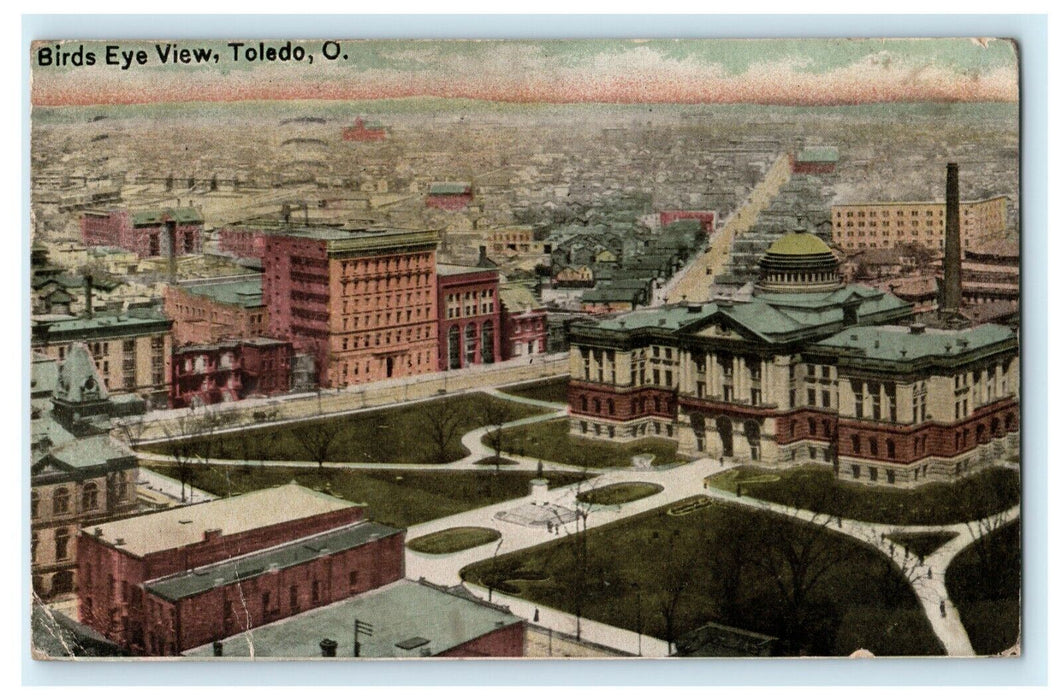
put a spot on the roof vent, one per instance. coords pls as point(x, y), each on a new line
point(98, 532)
point(918, 328)
point(219, 581)
point(661, 321)
point(119, 541)
point(964, 343)
point(854, 337)
point(947, 347)
point(695, 308)
point(877, 343)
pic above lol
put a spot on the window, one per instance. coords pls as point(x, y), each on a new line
point(62, 544)
point(855, 444)
point(315, 591)
point(61, 501)
point(352, 577)
point(90, 496)
point(890, 449)
point(873, 442)
point(293, 597)
point(811, 397)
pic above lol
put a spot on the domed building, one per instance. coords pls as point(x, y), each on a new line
point(799, 262)
point(803, 369)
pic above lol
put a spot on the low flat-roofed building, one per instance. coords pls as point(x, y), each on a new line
point(162, 583)
point(407, 620)
point(212, 310)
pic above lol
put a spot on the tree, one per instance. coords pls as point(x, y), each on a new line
point(796, 558)
point(494, 415)
point(190, 444)
point(989, 508)
point(443, 420)
point(678, 577)
point(316, 439)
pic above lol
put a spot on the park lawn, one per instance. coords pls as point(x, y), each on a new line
point(614, 494)
point(399, 498)
point(401, 434)
point(816, 488)
point(984, 582)
point(860, 600)
point(554, 390)
point(454, 539)
point(551, 441)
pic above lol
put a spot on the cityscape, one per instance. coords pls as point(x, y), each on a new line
point(426, 368)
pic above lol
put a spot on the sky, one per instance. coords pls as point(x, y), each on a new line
point(768, 71)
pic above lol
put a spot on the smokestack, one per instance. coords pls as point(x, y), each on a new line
point(88, 296)
point(171, 236)
point(328, 647)
point(952, 246)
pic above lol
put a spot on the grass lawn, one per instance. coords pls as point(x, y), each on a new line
point(816, 488)
point(984, 581)
point(614, 494)
point(555, 390)
point(404, 434)
point(551, 441)
point(922, 544)
point(710, 566)
point(396, 498)
point(454, 539)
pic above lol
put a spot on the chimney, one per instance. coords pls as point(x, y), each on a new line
point(952, 297)
point(483, 260)
point(219, 648)
point(328, 647)
point(88, 296)
point(171, 237)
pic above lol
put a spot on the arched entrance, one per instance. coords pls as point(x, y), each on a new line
point(726, 435)
point(752, 434)
point(697, 423)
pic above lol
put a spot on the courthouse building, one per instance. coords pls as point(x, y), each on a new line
point(804, 368)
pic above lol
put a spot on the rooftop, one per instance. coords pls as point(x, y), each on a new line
point(246, 292)
point(821, 154)
point(450, 188)
point(408, 620)
point(899, 343)
point(152, 217)
point(202, 579)
point(179, 527)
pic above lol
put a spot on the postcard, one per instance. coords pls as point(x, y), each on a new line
point(407, 349)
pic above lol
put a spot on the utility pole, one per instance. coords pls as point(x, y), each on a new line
point(359, 629)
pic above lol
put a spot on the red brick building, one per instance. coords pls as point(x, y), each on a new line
point(469, 316)
point(146, 233)
point(365, 131)
point(815, 161)
point(361, 301)
point(212, 311)
point(229, 371)
point(450, 196)
point(524, 323)
point(162, 583)
point(241, 241)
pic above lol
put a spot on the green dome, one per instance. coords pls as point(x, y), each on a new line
point(798, 244)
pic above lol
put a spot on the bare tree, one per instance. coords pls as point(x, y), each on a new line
point(990, 510)
point(190, 442)
point(443, 420)
point(316, 439)
point(494, 415)
point(678, 577)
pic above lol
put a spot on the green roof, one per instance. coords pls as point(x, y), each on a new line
point(450, 188)
point(101, 326)
point(246, 292)
point(204, 578)
point(798, 244)
point(153, 217)
point(822, 154)
point(899, 344)
point(401, 615)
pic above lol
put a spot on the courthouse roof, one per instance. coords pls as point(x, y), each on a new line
point(900, 344)
point(153, 217)
point(179, 527)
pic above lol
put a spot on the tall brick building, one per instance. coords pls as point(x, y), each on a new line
point(469, 315)
point(361, 301)
point(162, 583)
point(146, 233)
point(804, 369)
point(892, 224)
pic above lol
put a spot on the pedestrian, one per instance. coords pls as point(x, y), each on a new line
point(840, 523)
point(943, 610)
point(536, 614)
point(929, 575)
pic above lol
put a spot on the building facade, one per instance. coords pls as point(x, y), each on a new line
point(365, 131)
point(525, 323)
point(469, 316)
point(805, 369)
point(162, 583)
point(230, 371)
point(209, 312)
point(892, 224)
point(451, 196)
point(361, 301)
point(131, 349)
point(146, 233)
point(79, 475)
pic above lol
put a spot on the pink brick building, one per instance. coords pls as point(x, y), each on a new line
point(146, 233)
point(469, 316)
point(361, 301)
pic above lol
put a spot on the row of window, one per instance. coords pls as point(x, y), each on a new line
point(62, 499)
point(380, 265)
